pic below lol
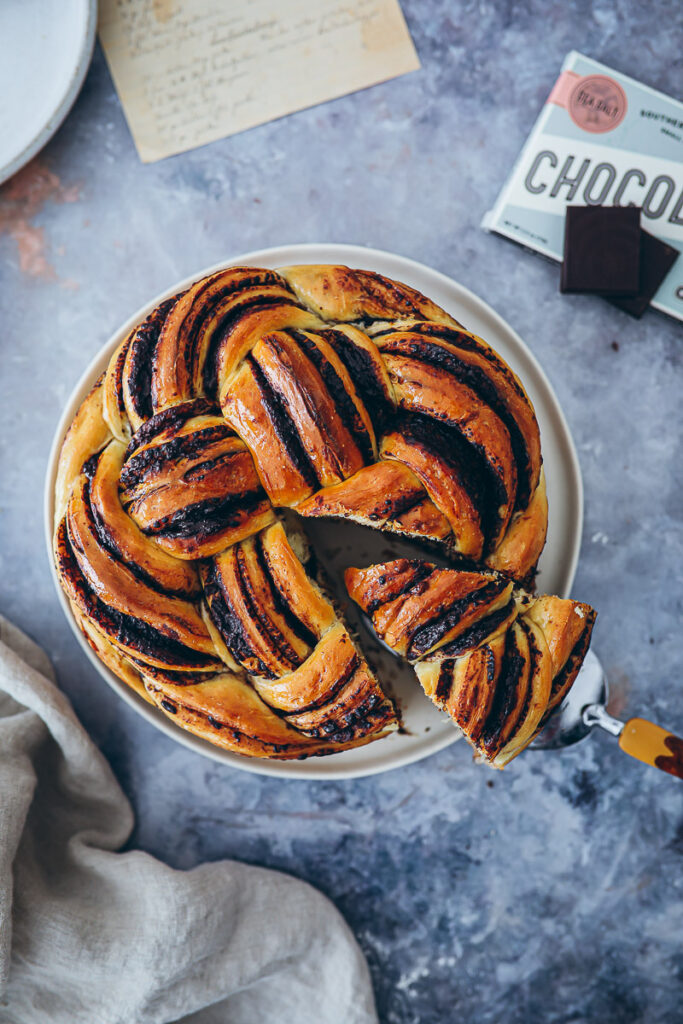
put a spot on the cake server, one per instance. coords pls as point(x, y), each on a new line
point(584, 708)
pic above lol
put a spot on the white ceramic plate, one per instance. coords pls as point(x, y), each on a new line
point(340, 545)
point(45, 50)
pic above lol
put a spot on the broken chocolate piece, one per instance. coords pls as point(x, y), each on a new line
point(601, 250)
point(656, 260)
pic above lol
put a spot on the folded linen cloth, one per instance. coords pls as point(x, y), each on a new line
point(95, 936)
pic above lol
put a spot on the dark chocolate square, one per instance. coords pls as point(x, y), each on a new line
point(601, 250)
point(656, 260)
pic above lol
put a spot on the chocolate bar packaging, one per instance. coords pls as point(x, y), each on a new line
point(602, 139)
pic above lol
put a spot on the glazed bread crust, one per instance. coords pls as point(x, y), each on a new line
point(327, 390)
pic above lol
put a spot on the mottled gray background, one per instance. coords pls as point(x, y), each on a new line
point(550, 892)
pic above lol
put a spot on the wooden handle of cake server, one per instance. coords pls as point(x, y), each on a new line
point(653, 745)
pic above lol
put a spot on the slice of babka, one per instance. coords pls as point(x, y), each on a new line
point(495, 658)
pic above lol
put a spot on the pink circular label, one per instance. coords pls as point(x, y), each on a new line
point(597, 104)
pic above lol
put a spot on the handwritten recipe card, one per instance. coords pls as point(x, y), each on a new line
point(192, 71)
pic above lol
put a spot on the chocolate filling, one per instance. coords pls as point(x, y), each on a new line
point(445, 680)
point(430, 634)
point(505, 696)
point(534, 656)
point(109, 542)
point(251, 304)
point(118, 376)
point(140, 359)
point(259, 615)
point(151, 461)
point(461, 340)
point(165, 675)
point(330, 695)
point(203, 519)
point(89, 467)
point(571, 665)
point(389, 295)
point(228, 622)
point(174, 416)
point(205, 300)
point(466, 460)
point(477, 633)
point(285, 431)
point(365, 376)
point(391, 509)
point(419, 573)
point(365, 717)
point(299, 628)
point(340, 396)
point(209, 466)
point(475, 378)
point(125, 629)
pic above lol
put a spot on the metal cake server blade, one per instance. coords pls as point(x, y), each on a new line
point(584, 708)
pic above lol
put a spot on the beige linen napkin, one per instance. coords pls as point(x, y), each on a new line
point(99, 937)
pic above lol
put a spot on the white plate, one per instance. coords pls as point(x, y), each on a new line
point(427, 730)
point(45, 50)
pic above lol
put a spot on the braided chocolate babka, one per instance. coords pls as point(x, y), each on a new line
point(320, 389)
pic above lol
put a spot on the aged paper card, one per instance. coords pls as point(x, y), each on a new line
point(191, 71)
